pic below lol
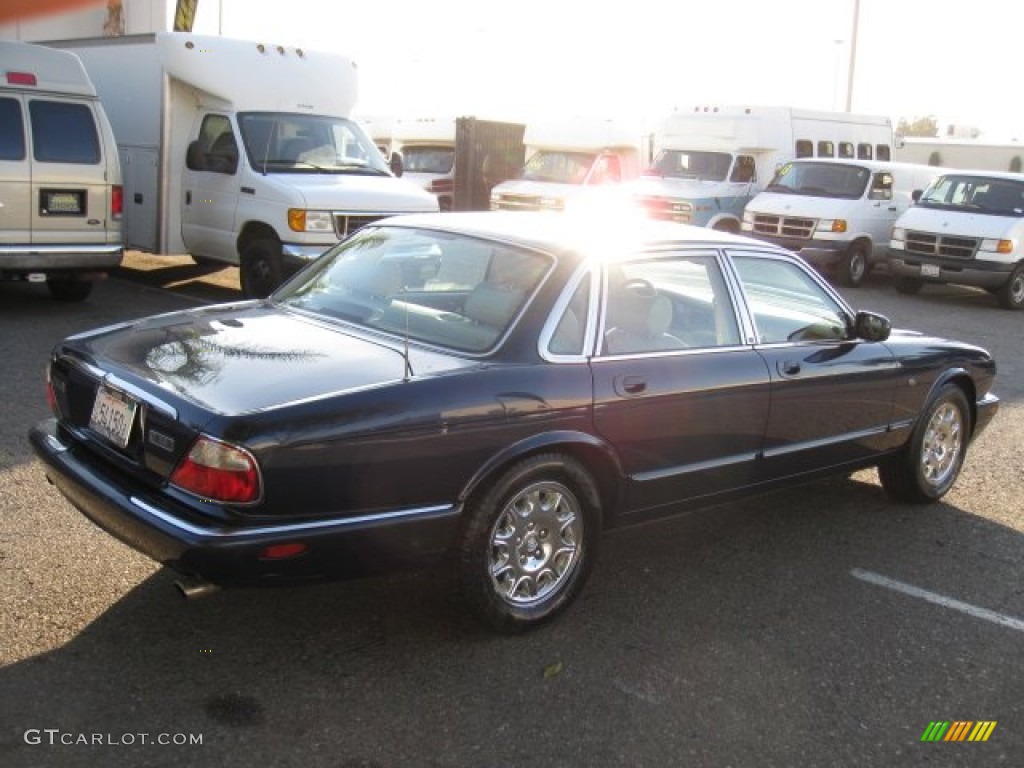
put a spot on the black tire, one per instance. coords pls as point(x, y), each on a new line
point(855, 265)
point(204, 261)
point(1011, 293)
point(908, 285)
point(515, 570)
point(728, 225)
point(261, 270)
point(65, 289)
point(928, 465)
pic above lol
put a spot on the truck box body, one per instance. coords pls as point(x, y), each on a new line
point(711, 161)
point(240, 152)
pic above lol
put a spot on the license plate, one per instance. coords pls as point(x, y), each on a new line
point(112, 416)
point(929, 270)
point(62, 203)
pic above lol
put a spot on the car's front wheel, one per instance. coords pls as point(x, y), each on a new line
point(1011, 293)
point(854, 266)
point(909, 285)
point(530, 541)
point(928, 465)
point(261, 270)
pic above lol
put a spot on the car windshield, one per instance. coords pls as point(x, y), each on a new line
point(821, 180)
point(428, 159)
point(285, 142)
point(977, 194)
point(562, 167)
point(447, 290)
point(691, 164)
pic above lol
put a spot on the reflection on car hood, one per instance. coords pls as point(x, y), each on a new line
point(251, 357)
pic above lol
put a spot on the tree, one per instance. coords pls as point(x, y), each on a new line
point(922, 126)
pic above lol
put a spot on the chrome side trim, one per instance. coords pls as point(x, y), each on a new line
point(295, 528)
point(825, 441)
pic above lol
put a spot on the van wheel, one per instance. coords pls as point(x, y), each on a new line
point(854, 266)
point(928, 465)
point(529, 542)
point(261, 269)
point(69, 290)
point(1011, 293)
point(908, 285)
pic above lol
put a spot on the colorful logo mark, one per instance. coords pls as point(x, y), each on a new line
point(958, 730)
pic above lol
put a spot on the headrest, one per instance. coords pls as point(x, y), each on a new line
point(492, 305)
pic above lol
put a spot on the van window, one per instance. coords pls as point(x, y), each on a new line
point(863, 151)
point(63, 133)
point(881, 186)
point(826, 149)
point(882, 152)
point(846, 149)
point(804, 148)
point(219, 149)
point(12, 132)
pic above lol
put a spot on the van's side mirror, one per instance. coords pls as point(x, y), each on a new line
point(871, 326)
point(916, 194)
point(195, 157)
point(396, 164)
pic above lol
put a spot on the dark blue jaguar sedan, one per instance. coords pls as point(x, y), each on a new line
point(492, 391)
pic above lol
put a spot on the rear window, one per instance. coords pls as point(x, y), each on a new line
point(12, 134)
point(63, 133)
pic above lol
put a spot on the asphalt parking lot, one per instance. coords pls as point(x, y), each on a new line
point(819, 626)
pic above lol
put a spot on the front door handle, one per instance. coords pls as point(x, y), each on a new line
point(630, 385)
point(188, 197)
point(789, 367)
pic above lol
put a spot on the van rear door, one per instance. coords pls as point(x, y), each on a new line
point(15, 191)
point(70, 186)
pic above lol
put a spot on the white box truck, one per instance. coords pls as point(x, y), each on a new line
point(710, 161)
point(569, 161)
point(426, 146)
point(966, 229)
point(836, 214)
point(240, 152)
point(60, 182)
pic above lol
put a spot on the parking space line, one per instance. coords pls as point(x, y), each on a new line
point(932, 597)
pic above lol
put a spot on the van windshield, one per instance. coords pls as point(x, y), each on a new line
point(558, 166)
point(428, 159)
point(285, 142)
point(691, 164)
point(977, 194)
point(821, 180)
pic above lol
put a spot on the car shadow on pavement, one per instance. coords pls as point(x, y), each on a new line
point(742, 620)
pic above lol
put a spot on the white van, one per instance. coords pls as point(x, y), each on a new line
point(60, 181)
point(836, 214)
point(967, 229)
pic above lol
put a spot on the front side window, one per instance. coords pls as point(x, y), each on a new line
point(667, 304)
point(821, 180)
point(786, 302)
point(881, 186)
point(12, 132)
point(446, 290)
point(977, 194)
point(216, 150)
point(63, 132)
point(691, 164)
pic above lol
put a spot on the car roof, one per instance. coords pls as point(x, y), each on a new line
point(562, 232)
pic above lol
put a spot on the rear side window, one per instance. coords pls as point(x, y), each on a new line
point(12, 133)
point(63, 133)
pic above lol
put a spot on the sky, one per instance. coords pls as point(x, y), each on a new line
point(640, 59)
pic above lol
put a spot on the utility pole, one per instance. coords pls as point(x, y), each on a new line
point(853, 56)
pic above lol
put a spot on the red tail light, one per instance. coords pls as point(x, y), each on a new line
point(219, 472)
point(116, 201)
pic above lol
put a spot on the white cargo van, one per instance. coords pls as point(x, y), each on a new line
point(241, 152)
point(710, 161)
point(967, 229)
point(836, 214)
point(568, 161)
point(60, 183)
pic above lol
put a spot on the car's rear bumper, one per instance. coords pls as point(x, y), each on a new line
point(60, 258)
point(235, 555)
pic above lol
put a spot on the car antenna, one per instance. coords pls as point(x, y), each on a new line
point(405, 346)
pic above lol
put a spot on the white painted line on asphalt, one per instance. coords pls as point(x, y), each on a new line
point(946, 602)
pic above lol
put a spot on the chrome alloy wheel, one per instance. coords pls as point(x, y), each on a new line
point(942, 445)
point(535, 543)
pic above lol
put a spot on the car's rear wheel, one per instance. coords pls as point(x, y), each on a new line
point(909, 285)
point(261, 270)
point(1011, 293)
point(854, 266)
point(530, 541)
point(928, 465)
point(65, 289)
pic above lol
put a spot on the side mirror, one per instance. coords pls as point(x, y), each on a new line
point(871, 326)
point(916, 194)
point(396, 164)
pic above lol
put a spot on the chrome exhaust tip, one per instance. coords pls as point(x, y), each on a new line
point(193, 589)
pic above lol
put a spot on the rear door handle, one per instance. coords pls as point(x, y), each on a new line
point(630, 385)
